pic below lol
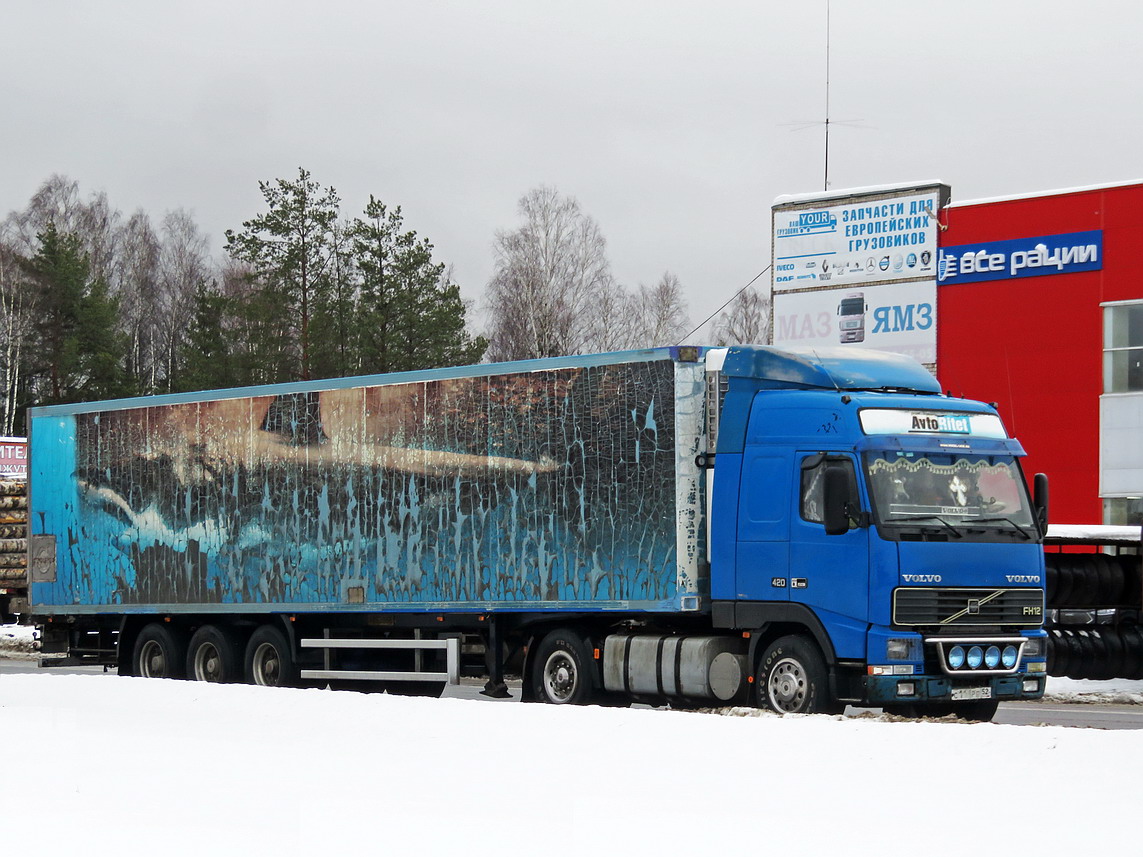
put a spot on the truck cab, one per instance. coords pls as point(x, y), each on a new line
point(879, 534)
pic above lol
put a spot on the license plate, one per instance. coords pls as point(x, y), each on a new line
point(972, 693)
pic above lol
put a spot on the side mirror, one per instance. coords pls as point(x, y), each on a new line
point(1040, 499)
point(836, 492)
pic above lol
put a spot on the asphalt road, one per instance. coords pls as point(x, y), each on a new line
point(1079, 715)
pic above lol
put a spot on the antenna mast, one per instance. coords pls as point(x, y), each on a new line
point(825, 184)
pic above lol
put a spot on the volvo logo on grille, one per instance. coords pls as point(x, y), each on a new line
point(972, 607)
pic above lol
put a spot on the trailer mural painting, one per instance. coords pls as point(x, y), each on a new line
point(493, 490)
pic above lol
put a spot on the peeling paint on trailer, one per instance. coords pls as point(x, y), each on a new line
point(520, 490)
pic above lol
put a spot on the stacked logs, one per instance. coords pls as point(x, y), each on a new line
point(13, 532)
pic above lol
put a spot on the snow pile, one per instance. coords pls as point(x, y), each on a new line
point(17, 641)
point(1114, 692)
point(112, 767)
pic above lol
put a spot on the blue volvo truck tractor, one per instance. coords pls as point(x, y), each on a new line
point(798, 530)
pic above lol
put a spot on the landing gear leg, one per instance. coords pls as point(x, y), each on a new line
point(494, 657)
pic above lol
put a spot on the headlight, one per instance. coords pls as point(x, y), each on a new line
point(1035, 647)
point(903, 649)
point(1008, 657)
point(956, 657)
point(992, 657)
point(975, 657)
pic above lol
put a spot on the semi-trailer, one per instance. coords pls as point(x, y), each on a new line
point(798, 530)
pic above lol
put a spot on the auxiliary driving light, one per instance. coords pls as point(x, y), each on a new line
point(1009, 656)
point(1031, 685)
point(992, 657)
point(956, 657)
point(975, 657)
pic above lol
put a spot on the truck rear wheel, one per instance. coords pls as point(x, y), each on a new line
point(213, 656)
point(562, 674)
point(269, 659)
point(792, 678)
point(160, 652)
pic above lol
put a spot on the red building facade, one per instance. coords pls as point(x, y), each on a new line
point(1040, 309)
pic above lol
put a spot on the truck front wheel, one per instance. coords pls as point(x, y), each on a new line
point(792, 678)
point(562, 674)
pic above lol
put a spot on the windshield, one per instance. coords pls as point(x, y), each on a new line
point(852, 306)
point(964, 490)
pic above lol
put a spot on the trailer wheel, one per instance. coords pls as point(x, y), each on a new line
point(213, 656)
point(792, 678)
point(160, 652)
point(269, 659)
point(563, 671)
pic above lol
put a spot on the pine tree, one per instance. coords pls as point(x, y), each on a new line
point(78, 352)
point(289, 249)
point(409, 314)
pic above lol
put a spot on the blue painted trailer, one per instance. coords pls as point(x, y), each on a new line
point(554, 485)
point(796, 529)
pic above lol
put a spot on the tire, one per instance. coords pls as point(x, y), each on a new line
point(562, 673)
point(1055, 660)
point(1114, 654)
point(160, 652)
point(1051, 579)
point(1101, 665)
point(1087, 655)
point(269, 660)
point(213, 656)
point(792, 678)
point(1075, 653)
point(1085, 585)
point(1132, 581)
point(1060, 651)
point(1132, 651)
point(1065, 579)
point(1113, 581)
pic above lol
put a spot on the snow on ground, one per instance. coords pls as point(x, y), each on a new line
point(123, 766)
point(127, 766)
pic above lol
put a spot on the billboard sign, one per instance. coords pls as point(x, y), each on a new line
point(856, 239)
point(1021, 257)
point(898, 317)
point(13, 456)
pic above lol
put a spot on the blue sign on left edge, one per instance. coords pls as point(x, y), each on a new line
point(1038, 256)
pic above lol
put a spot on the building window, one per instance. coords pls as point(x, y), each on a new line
point(1123, 348)
point(1124, 511)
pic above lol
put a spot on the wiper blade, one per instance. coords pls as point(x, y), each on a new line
point(897, 518)
point(1019, 529)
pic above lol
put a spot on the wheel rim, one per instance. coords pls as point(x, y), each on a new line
point(152, 660)
point(208, 663)
point(787, 686)
point(560, 677)
point(267, 666)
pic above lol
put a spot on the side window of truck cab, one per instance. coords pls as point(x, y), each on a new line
point(811, 501)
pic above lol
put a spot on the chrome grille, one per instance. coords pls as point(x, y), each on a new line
point(950, 608)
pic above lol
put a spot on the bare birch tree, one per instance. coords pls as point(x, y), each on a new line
point(15, 329)
point(658, 314)
point(550, 282)
point(745, 321)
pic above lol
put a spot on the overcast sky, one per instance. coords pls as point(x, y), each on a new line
point(674, 124)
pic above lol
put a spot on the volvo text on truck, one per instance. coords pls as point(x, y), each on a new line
point(690, 526)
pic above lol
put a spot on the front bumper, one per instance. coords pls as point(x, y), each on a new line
point(890, 690)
